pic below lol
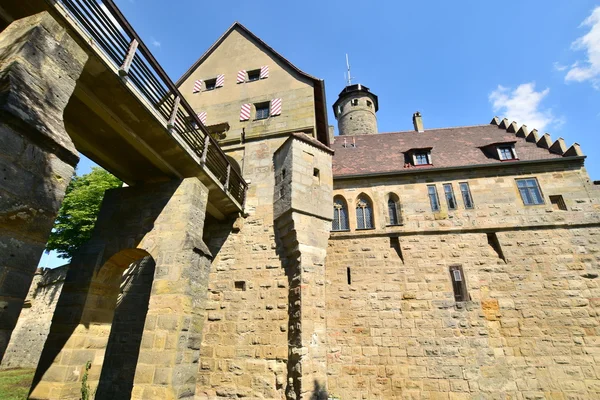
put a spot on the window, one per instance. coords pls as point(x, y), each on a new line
point(393, 210)
point(369, 104)
point(506, 153)
point(466, 194)
point(340, 215)
point(558, 203)
point(364, 213)
point(422, 158)
point(253, 75)
point(530, 191)
point(450, 199)
point(211, 84)
point(262, 111)
point(459, 285)
point(433, 198)
point(354, 102)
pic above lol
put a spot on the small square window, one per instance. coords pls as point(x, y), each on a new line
point(354, 102)
point(210, 84)
point(240, 285)
point(530, 191)
point(422, 158)
point(262, 111)
point(558, 202)
point(369, 104)
point(253, 75)
point(506, 153)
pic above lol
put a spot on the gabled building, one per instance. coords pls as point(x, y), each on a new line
point(446, 263)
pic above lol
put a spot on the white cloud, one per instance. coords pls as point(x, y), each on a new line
point(590, 42)
point(559, 67)
point(154, 42)
point(523, 105)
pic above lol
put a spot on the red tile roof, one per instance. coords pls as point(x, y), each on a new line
point(451, 147)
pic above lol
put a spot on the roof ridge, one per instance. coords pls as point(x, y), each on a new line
point(413, 131)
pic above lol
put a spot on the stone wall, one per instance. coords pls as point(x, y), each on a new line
point(531, 329)
point(31, 331)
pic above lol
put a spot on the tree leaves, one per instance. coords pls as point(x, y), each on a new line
point(79, 211)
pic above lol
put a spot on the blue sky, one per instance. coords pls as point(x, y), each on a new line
point(458, 62)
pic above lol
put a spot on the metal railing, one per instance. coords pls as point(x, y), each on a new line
point(113, 34)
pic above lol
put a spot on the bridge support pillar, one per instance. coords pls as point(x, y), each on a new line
point(130, 315)
point(39, 66)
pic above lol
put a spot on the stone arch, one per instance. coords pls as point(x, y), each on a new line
point(129, 316)
point(341, 220)
point(365, 213)
point(234, 164)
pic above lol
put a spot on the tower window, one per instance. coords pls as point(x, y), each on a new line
point(340, 215)
point(369, 104)
point(253, 75)
point(558, 202)
point(364, 213)
point(262, 111)
point(210, 84)
point(433, 198)
point(354, 102)
point(466, 194)
point(530, 191)
point(449, 194)
point(459, 285)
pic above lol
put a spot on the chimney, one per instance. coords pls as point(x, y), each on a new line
point(418, 122)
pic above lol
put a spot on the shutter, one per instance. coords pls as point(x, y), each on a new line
point(245, 112)
point(220, 80)
point(275, 107)
point(241, 76)
point(202, 117)
point(198, 86)
point(264, 72)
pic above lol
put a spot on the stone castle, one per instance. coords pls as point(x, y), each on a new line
point(452, 263)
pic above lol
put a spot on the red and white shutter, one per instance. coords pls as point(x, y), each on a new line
point(264, 72)
point(276, 107)
point(241, 76)
point(202, 117)
point(220, 80)
point(245, 112)
point(198, 86)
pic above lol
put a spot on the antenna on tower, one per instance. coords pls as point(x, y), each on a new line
point(349, 78)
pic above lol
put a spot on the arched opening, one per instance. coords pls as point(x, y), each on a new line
point(394, 216)
point(124, 283)
point(364, 212)
point(340, 214)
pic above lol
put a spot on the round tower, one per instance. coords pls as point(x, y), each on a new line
point(355, 111)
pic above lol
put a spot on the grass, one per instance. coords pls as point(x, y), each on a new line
point(14, 383)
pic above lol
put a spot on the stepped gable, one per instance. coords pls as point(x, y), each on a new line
point(450, 147)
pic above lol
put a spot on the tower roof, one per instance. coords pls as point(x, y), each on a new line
point(355, 89)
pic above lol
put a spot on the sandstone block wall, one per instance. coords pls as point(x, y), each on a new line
point(37, 157)
point(530, 330)
point(31, 331)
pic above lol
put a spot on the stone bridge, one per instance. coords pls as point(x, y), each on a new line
point(76, 78)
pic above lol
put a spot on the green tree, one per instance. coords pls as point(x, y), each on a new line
point(79, 211)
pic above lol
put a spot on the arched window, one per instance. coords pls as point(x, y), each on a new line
point(394, 216)
point(340, 215)
point(364, 213)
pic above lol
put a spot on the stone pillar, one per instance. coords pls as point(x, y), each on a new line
point(39, 66)
point(303, 211)
point(163, 222)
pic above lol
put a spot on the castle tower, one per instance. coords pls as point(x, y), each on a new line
point(355, 111)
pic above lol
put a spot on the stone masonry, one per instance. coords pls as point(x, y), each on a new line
point(39, 65)
point(31, 331)
point(163, 236)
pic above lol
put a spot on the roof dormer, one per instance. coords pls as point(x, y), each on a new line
point(418, 157)
point(503, 151)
